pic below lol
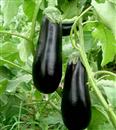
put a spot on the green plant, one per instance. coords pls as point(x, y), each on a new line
point(21, 105)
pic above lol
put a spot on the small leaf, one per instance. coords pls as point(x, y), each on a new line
point(69, 9)
point(11, 108)
point(109, 87)
point(113, 1)
point(100, 1)
point(5, 73)
point(89, 42)
point(97, 119)
point(8, 51)
point(28, 8)
point(13, 84)
point(107, 83)
point(3, 85)
point(111, 94)
point(107, 13)
point(67, 50)
point(10, 9)
point(24, 50)
point(107, 42)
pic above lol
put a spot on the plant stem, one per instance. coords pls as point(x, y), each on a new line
point(32, 32)
point(19, 115)
point(16, 124)
point(84, 12)
point(15, 34)
point(74, 26)
point(54, 106)
point(69, 20)
point(110, 112)
point(89, 22)
point(15, 65)
point(81, 34)
point(105, 72)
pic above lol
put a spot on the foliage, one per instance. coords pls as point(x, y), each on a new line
point(21, 105)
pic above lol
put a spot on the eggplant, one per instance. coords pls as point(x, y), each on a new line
point(76, 104)
point(47, 64)
point(66, 28)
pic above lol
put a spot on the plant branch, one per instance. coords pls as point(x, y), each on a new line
point(19, 116)
point(81, 35)
point(16, 34)
point(54, 106)
point(15, 65)
point(109, 110)
point(69, 20)
point(89, 22)
point(75, 24)
point(32, 32)
point(16, 123)
point(92, 82)
point(105, 72)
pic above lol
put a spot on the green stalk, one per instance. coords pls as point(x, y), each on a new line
point(32, 32)
point(105, 72)
point(16, 123)
point(15, 65)
point(54, 106)
point(74, 26)
point(15, 34)
point(109, 110)
point(19, 115)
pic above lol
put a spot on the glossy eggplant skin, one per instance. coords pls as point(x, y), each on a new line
point(66, 28)
point(47, 64)
point(76, 105)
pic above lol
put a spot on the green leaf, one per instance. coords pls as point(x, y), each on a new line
point(11, 108)
point(99, 121)
point(107, 41)
point(69, 9)
point(28, 8)
point(107, 83)
point(89, 42)
point(67, 50)
point(8, 51)
point(3, 85)
point(3, 100)
point(39, 16)
point(13, 84)
point(113, 1)
point(53, 119)
point(111, 94)
point(100, 1)
point(109, 87)
point(106, 126)
point(24, 50)
point(10, 9)
point(107, 13)
point(5, 73)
